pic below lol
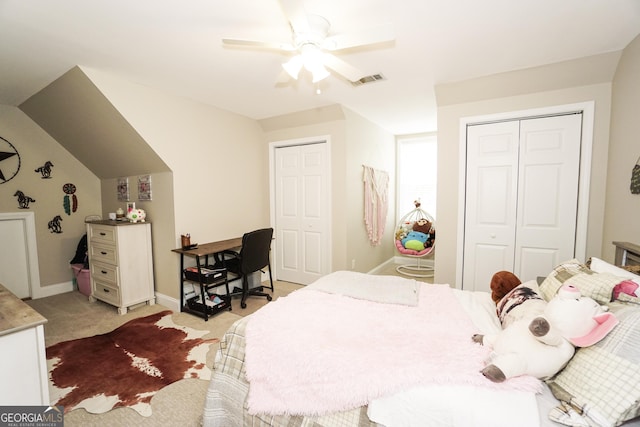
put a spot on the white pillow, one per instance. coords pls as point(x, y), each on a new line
point(600, 266)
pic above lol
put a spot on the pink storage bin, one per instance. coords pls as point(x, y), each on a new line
point(83, 278)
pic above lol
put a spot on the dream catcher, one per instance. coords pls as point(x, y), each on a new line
point(70, 201)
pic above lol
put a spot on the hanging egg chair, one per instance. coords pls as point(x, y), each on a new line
point(415, 237)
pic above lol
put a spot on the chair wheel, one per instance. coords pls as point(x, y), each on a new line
point(243, 304)
point(269, 298)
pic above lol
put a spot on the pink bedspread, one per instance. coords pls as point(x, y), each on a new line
point(312, 353)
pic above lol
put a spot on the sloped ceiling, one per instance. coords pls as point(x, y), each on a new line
point(79, 117)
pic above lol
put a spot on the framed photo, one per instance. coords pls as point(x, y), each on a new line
point(130, 206)
point(123, 189)
point(144, 187)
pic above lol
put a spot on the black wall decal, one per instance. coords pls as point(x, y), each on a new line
point(23, 200)
point(45, 170)
point(54, 224)
point(9, 161)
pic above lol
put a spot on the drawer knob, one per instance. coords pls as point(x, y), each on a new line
point(103, 272)
point(103, 234)
point(105, 290)
point(103, 253)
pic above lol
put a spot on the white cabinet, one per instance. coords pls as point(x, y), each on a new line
point(521, 198)
point(121, 263)
point(23, 371)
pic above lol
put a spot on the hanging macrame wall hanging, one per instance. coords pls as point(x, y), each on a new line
point(635, 178)
point(376, 202)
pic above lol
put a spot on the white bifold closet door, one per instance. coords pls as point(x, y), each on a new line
point(521, 197)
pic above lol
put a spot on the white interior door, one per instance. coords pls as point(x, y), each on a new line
point(521, 197)
point(14, 262)
point(301, 212)
point(549, 171)
point(491, 201)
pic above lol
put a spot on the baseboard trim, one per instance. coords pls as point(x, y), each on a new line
point(167, 301)
point(51, 290)
point(401, 260)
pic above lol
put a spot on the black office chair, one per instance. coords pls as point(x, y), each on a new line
point(253, 256)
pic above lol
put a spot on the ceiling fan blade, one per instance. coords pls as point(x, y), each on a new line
point(288, 47)
point(283, 78)
point(349, 72)
point(374, 35)
point(296, 15)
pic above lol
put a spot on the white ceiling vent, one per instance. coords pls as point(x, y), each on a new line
point(369, 79)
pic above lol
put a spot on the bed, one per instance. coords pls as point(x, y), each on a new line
point(361, 350)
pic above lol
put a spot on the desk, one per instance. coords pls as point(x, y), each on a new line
point(200, 252)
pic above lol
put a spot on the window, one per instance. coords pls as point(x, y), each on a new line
point(417, 171)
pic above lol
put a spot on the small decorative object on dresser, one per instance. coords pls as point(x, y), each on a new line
point(136, 215)
point(121, 263)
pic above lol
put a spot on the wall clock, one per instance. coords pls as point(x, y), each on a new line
point(9, 161)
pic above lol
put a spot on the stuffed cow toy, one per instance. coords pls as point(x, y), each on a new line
point(541, 338)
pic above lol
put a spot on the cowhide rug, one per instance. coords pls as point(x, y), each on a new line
point(126, 366)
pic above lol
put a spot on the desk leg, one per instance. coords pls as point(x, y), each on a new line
point(205, 315)
point(181, 283)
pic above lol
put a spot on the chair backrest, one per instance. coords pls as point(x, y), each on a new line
point(254, 253)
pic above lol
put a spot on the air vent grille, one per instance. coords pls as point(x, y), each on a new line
point(369, 79)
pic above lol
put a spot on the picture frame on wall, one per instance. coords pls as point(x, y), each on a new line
point(123, 189)
point(144, 187)
point(130, 206)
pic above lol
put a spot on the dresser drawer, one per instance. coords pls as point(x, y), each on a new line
point(103, 253)
point(102, 233)
point(106, 292)
point(105, 272)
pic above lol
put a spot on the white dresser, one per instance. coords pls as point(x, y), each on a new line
point(121, 263)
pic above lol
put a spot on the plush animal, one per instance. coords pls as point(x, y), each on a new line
point(502, 283)
point(415, 240)
point(542, 341)
point(136, 215)
point(422, 225)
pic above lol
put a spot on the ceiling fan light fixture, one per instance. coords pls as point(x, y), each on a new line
point(293, 66)
point(319, 73)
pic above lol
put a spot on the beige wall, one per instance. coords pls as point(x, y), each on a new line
point(36, 147)
point(621, 221)
point(449, 116)
point(368, 145)
point(354, 142)
point(219, 163)
point(160, 213)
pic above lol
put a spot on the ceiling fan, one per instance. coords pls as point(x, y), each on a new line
point(313, 45)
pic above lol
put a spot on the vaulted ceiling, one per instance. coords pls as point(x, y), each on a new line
point(176, 46)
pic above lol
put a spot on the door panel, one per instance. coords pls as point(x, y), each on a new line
point(490, 213)
point(302, 216)
point(14, 263)
point(547, 208)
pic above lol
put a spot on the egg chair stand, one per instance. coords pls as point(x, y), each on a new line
point(415, 238)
